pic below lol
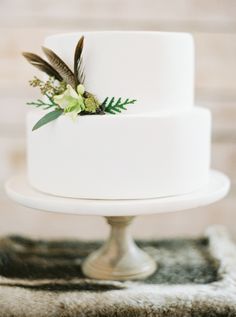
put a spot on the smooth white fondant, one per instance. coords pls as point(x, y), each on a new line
point(120, 157)
point(156, 68)
point(20, 191)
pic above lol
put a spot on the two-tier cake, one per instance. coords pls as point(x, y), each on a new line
point(159, 146)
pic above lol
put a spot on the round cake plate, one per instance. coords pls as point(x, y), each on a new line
point(119, 258)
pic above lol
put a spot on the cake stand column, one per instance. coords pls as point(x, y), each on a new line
point(119, 258)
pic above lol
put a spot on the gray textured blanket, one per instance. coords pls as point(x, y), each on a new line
point(195, 277)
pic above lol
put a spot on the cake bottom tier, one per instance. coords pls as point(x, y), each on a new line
point(120, 156)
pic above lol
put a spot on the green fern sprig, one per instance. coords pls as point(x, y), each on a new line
point(39, 103)
point(114, 106)
point(42, 104)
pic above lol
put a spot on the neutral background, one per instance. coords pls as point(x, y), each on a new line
point(23, 26)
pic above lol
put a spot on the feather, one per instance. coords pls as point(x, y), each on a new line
point(79, 78)
point(60, 66)
point(42, 65)
point(81, 71)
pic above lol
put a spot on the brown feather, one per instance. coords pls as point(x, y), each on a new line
point(42, 65)
point(60, 66)
point(78, 61)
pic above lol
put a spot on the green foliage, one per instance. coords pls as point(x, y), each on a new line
point(53, 115)
point(43, 104)
point(50, 87)
point(115, 106)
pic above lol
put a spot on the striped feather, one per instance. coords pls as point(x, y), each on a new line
point(60, 67)
point(78, 72)
point(42, 65)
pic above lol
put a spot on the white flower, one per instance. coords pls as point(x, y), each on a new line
point(71, 101)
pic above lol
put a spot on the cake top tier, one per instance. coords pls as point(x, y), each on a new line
point(156, 68)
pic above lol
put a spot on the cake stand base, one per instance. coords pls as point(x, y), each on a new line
point(119, 258)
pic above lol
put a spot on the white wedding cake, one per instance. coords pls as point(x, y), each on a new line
point(158, 147)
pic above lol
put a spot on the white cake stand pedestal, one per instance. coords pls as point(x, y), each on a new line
point(119, 258)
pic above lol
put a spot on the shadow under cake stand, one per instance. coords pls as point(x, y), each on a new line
point(119, 258)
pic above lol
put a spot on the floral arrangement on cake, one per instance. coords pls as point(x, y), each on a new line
point(64, 92)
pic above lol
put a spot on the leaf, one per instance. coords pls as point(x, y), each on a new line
point(60, 66)
point(53, 115)
point(42, 65)
point(78, 72)
point(40, 103)
point(113, 106)
point(44, 105)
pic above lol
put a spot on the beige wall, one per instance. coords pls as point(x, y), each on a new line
point(24, 24)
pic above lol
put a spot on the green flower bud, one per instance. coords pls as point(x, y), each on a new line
point(80, 89)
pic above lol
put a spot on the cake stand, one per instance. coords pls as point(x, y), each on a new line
point(119, 258)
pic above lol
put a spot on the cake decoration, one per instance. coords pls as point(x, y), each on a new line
point(64, 92)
